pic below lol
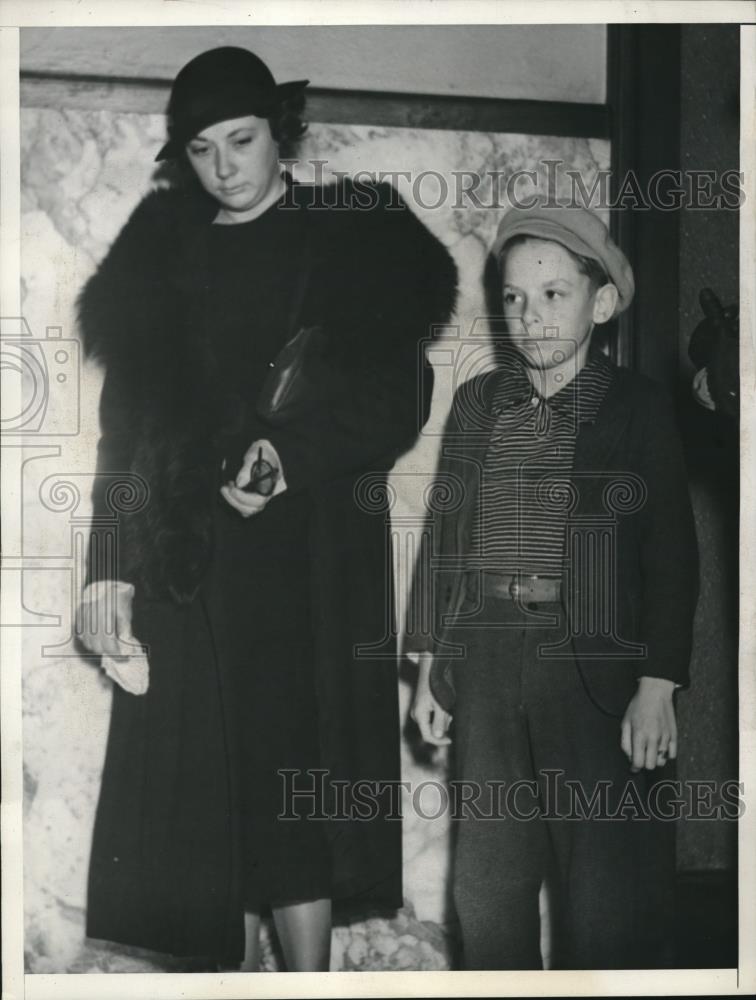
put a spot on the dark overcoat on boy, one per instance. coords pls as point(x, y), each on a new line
point(164, 870)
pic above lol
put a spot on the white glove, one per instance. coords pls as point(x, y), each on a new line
point(133, 675)
point(103, 623)
point(250, 503)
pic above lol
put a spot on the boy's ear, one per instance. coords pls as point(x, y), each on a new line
point(605, 303)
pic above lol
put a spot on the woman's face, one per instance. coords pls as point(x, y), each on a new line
point(236, 162)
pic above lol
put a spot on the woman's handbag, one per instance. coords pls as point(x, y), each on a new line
point(299, 377)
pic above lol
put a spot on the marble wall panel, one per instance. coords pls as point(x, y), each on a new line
point(82, 173)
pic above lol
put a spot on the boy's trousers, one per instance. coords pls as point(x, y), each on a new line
point(522, 717)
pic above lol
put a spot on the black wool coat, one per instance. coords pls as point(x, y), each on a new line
point(164, 870)
point(630, 483)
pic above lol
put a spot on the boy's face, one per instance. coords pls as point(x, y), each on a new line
point(548, 303)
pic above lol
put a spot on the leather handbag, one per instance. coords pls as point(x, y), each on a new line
point(299, 376)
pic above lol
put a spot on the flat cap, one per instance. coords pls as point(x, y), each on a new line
point(577, 229)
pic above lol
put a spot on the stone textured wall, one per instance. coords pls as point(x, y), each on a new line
point(82, 173)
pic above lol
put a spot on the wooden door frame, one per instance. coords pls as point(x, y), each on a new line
point(643, 94)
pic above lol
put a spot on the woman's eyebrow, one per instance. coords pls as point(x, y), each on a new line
point(236, 131)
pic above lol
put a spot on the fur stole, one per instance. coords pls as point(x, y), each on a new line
point(379, 278)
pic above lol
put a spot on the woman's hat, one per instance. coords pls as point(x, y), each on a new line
point(576, 228)
point(222, 83)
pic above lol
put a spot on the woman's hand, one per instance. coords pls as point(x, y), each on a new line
point(103, 623)
point(103, 619)
point(649, 728)
point(432, 720)
point(248, 502)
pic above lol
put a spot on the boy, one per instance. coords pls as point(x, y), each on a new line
point(563, 596)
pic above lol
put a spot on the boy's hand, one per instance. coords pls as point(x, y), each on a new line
point(649, 728)
point(432, 720)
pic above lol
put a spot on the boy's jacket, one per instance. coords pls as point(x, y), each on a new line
point(630, 495)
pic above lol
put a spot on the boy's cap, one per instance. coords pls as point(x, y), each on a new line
point(577, 229)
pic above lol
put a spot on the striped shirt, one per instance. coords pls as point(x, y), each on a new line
point(524, 497)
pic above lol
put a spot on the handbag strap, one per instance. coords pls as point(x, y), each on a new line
point(303, 274)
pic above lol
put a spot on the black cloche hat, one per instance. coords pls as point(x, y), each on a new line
point(223, 83)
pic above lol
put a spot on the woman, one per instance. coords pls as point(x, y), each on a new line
point(251, 597)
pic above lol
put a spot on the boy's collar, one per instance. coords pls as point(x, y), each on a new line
point(582, 394)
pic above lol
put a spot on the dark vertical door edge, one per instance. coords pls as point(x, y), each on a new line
point(643, 91)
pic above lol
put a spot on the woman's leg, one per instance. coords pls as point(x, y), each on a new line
point(304, 930)
point(251, 961)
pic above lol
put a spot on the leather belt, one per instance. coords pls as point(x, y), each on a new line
point(525, 588)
